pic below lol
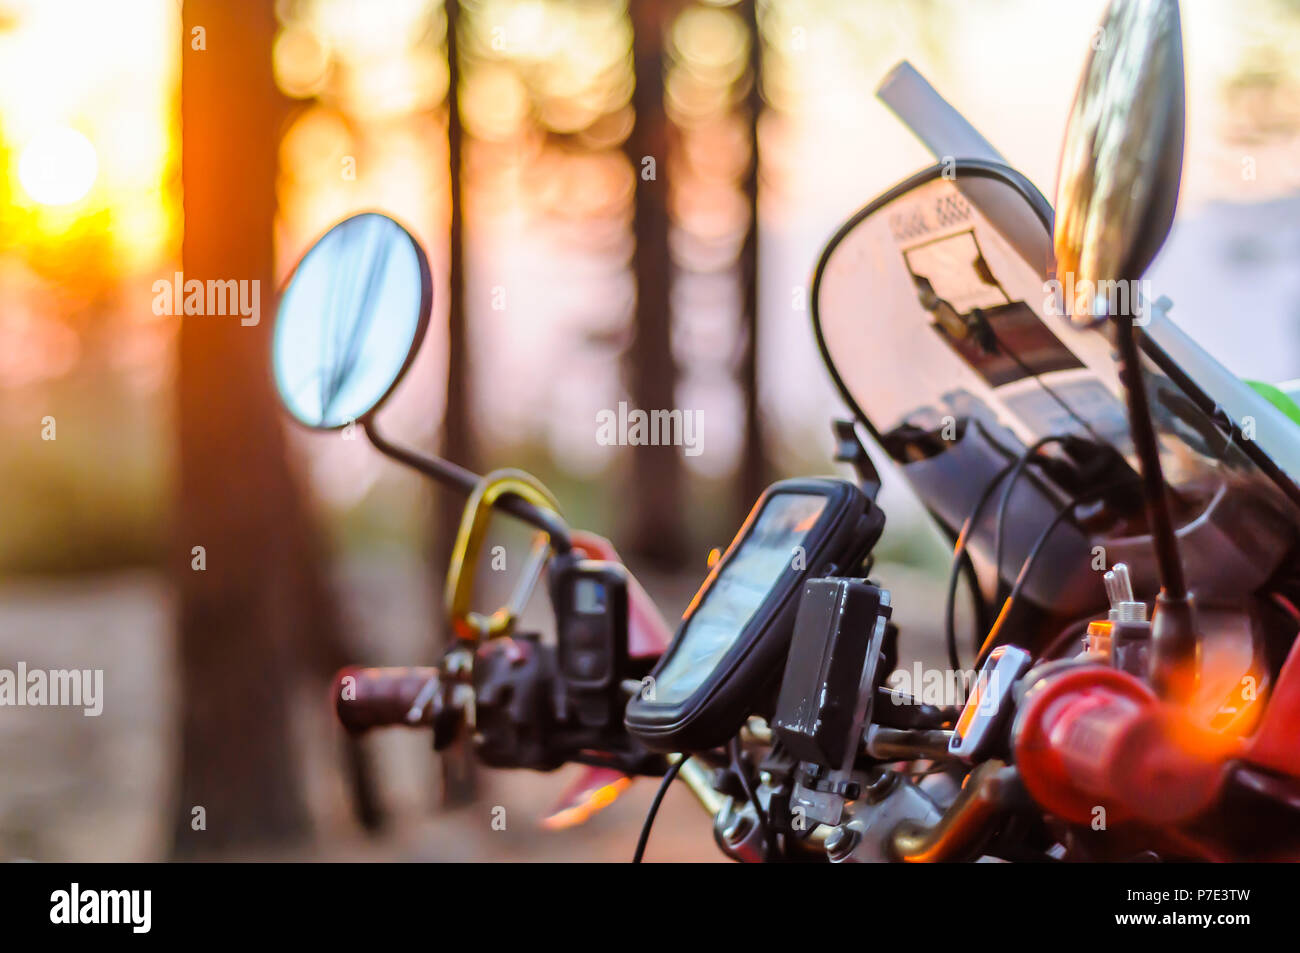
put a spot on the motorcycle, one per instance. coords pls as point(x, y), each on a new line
point(1093, 467)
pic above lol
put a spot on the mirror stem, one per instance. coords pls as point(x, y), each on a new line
point(1173, 625)
point(1147, 448)
point(466, 481)
point(445, 472)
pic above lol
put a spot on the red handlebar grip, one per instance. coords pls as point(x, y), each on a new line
point(1096, 737)
point(366, 698)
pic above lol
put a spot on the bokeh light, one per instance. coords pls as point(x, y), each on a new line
point(58, 166)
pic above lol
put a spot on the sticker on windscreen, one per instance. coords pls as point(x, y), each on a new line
point(1001, 339)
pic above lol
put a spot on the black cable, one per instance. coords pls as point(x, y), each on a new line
point(1000, 520)
point(737, 765)
point(1011, 472)
point(671, 773)
point(959, 556)
point(1027, 566)
point(978, 604)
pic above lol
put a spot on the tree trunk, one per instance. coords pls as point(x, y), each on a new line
point(754, 472)
point(242, 595)
point(657, 530)
point(459, 781)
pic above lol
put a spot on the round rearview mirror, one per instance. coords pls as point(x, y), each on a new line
point(1122, 157)
point(350, 321)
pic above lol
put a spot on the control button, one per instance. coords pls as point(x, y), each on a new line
point(585, 635)
point(586, 664)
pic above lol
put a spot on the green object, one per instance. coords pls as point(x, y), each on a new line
point(1278, 398)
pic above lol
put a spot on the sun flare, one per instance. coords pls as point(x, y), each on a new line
point(58, 166)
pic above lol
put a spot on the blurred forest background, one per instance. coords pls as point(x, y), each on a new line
point(621, 199)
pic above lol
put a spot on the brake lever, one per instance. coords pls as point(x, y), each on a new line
point(416, 713)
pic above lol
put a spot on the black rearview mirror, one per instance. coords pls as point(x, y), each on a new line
point(1123, 153)
point(350, 321)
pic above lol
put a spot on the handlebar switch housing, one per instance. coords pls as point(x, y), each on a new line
point(512, 727)
point(540, 705)
point(979, 728)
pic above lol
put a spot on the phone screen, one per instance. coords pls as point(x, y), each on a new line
point(774, 544)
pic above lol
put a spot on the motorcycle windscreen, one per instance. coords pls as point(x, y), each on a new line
point(931, 317)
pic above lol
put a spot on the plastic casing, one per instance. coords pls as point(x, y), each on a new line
point(744, 682)
point(824, 673)
point(599, 641)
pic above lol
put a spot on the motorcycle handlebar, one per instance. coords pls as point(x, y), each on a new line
point(366, 698)
point(1094, 736)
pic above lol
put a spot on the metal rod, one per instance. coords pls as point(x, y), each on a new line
point(445, 472)
point(700, 780)
point(965, 827)
point(1147, 447)
point(899, 744)
point(465, 481)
